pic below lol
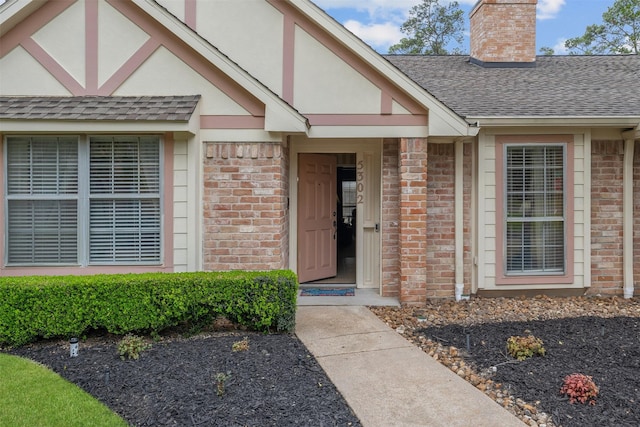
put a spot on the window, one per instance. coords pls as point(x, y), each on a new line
point(534, 215)
point(348, 201)
point(87, 201)
point(42, 200)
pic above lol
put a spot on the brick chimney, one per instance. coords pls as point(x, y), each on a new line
point(503, 33)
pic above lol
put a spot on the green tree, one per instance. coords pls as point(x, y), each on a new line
point(548, 51)
point(430, 27)
point(619, 32)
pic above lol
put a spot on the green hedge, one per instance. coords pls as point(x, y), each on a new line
point(36, 307)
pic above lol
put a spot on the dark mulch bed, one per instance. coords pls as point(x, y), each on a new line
point(606, 349)
point(276, 382)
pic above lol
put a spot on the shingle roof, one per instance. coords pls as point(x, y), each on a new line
point(149, 108)
point(559, 86)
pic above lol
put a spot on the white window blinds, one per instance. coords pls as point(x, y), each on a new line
point(535, 200)
point(124, 188)
point(42, 200)
point(75, 200)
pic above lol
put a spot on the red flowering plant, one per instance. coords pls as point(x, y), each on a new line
point(580, 388)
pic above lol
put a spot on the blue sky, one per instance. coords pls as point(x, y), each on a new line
point(377, 22)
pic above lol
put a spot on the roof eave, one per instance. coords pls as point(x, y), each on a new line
point(34, 126)
point(540, 121)
point(14, 11)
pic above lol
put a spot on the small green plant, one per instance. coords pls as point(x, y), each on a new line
point(580, 388)
point(242, 345)
point(221, 380)
point(523, 347)
point(131, 346)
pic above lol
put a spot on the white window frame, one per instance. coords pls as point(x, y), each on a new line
point(83, 197)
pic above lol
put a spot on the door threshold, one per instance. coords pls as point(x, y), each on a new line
point(308, 285)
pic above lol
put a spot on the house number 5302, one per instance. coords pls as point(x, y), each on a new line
point(360, 182)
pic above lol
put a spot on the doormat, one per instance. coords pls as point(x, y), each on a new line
point(327, 292)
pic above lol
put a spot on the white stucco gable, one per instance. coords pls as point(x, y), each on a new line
point(116, 48)
point(279, 116)
point(341, 85)
point(442, 120)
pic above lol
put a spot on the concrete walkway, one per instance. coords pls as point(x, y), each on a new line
point(385, 379)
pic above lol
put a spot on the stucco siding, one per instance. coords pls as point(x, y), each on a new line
point(324, 84)
point(22, 75)
point(63, 39)
point(119, 40)
point(161, 70)
point(249, 31)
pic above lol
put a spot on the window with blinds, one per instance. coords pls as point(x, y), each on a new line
point(535, 209)
point(124, 193)
point(42, 200)
point(48, 218)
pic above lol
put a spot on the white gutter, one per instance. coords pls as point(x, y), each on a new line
point(627, 215)
point(459, 219)
point(627, 209)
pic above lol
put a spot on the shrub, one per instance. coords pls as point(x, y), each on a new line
point(579, 388)
point(221, 380)
point(242, 345)
point(35, 307)
point(131, 346)
point(523, 347)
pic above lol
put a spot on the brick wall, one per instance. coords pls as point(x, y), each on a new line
point(245, 223)
point(504, 31)
point(413, 219)
point(390, 219)
point(441, 220)
point(606, 217)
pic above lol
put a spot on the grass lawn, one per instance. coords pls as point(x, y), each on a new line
point(31, 395)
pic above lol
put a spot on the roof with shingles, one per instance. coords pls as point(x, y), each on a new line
point(116, 108)
point(558, 86)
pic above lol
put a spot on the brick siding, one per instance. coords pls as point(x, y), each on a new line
point(607, 159)
point(390, 219)
point(441, 220)
point(413, 220)
point(504, 31)
point(245, 224)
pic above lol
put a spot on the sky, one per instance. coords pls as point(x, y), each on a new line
point(377, 22)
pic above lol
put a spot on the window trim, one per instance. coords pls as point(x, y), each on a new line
point(567, 277)
point(83, 266)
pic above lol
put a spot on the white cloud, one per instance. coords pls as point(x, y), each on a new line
point(381, 28)
point(369, 5)
point(379, 36)
point(559, 48)
point(380, 8)
point(549, 9)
